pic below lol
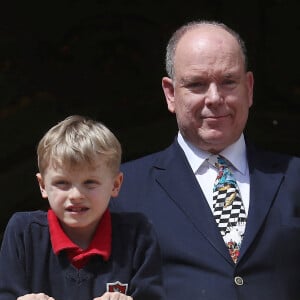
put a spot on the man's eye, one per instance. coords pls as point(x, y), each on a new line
point(195, 86)
point(198, 83)
point(229, 83)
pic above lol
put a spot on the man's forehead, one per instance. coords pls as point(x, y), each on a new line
point(206, 38)
point(205, 31)
point(200, 55)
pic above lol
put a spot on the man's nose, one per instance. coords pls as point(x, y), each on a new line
point(213, 94)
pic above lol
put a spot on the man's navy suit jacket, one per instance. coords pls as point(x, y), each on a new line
point(196, 261)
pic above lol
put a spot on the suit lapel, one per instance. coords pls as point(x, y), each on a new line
point(266, 178)
point(173, 173)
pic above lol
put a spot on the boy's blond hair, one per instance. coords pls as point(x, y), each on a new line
point(77, 141)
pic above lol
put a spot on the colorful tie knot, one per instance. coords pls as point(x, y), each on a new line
point(224, 170)
point(218, 161)
point(222, 162)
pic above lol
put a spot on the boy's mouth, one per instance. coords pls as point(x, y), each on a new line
point(76, 209)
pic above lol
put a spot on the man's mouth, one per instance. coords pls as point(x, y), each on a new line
point(215, 117)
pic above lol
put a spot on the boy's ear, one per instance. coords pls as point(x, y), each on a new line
point(42, 185)
point(117, 184)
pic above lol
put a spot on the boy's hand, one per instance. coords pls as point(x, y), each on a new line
point(113, 296)
point(40, 296)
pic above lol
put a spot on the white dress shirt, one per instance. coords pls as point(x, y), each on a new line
point(206, 174)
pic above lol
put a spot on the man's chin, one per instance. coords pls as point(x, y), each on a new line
point(214, 142)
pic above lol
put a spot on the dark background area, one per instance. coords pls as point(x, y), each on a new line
point(105, 59)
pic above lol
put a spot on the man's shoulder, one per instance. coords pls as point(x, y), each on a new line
point(153, 159)
point(272, 159)
point(141, 161)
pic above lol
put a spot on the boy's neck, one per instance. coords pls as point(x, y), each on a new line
point(82, 237)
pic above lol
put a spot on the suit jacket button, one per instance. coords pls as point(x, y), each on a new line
point(238, 280)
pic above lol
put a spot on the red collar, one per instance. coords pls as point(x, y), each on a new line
point(100, 244)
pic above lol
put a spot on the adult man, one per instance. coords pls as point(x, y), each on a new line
point(210, 90)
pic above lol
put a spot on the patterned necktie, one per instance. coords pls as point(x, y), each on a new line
point(229, 211)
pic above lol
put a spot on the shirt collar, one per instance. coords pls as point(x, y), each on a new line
point(196, 157)
point(235, 153)
point(100, 244)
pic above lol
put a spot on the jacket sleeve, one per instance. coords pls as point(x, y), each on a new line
point(146, 283)
point(12, 267)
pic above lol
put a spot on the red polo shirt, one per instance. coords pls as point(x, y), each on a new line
point(100, 244)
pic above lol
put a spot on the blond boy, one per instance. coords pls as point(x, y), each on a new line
point(78, 250)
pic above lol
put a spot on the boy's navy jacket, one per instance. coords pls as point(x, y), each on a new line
point(28, 264)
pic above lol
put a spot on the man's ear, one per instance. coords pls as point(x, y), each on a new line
point(168, 88)
point(250, 84)
point(117, 184)
point(42, 185)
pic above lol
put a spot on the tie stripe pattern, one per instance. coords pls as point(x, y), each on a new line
point(229, 211)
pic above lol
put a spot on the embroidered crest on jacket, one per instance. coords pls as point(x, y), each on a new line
point(117, 287)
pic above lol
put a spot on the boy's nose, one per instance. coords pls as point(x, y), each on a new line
point(75, 193)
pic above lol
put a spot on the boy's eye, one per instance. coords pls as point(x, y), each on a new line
point(90, 183)
point(61, 183)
